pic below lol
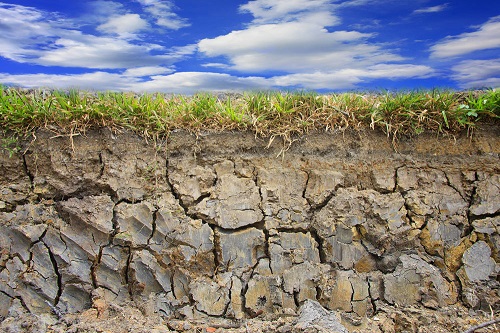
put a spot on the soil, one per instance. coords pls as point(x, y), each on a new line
point(109, 318)
point(133, 317)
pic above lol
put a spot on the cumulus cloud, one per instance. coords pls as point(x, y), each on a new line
point(347, 78)
point(89, 81)
point(147, 71)
point(477, 73)
point(486, 37)
point(274, 11)
point(433, 9)
point(287, 44)
point(160, 79)
point(99, 11)
point(124, 25)
point(163, 12)
point(80, 50)
point(295, 46)
point(283, 38)
point(183, 82)
point(22, 29)
point(33, 36)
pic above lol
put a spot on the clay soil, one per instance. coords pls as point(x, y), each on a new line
point(102, 317)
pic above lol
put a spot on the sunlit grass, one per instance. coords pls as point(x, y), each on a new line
point(268, 113)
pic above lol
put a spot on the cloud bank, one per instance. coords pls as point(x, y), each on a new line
point(295, 44)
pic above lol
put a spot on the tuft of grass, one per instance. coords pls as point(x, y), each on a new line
point(267, 113)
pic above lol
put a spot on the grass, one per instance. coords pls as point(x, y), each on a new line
point(268, 114)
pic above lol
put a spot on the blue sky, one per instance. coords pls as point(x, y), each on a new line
point(223, 45)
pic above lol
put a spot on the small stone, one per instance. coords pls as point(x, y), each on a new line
point(135, 222)
point(487, 198)
point(313, 314)
point(210, 297)
point(241, 249)
point(478, 263)
point(321, 185)
point(234, 203)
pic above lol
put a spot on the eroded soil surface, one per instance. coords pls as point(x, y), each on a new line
point(109, 232)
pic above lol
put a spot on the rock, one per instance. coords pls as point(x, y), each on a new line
point(240, 250)
point(263, 294)
point(437, 208)
point(383, 178)
point(148, 275)
point(313, 314)
point(186, 242)
point(440, 237)
point(134, 223)
point(487, 198)
point(5, 304)
point(110, 273)
point(321, 185)
point(301, 280)
point(282, 200)
point(90, 222)
point(220, 232)
point(211, 297)
point(74, 298)
point(19, 237)
point(340, 249)
point(289, 248)
point(380, 218)
point(74, 262)
point(191, 181)
point(488, 225)
point(415, 280)
point(94, 211)
point(478, 263)
point(402, 288)
point(233, 204)
point(236, 301)
point(42, 274)
point(338, 291)
point(410, 178)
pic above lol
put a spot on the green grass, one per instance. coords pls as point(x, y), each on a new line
point(270, 114)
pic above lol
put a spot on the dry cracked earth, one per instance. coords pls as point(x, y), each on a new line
point(339, 232)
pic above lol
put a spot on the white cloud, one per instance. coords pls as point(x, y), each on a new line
point(477, 73)
point(163, 12)
point(124, 25)
point(147, 71)
point(191, 82)
point(33, 36)
point(358, 3)
point(486, 37)
point(348, 78)
point(286, 45)
point(276, 11)
point(283, 38)
point(22, 29)
point(295, 47)
point(88, 81)
point(158, 79)
point(79, 50)
point(433, 9)
point(182, 83)
point(216, 65)
point(99, 11)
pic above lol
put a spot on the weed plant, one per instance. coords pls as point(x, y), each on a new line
point(266, 113)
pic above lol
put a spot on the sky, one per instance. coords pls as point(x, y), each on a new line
point(189, 46)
